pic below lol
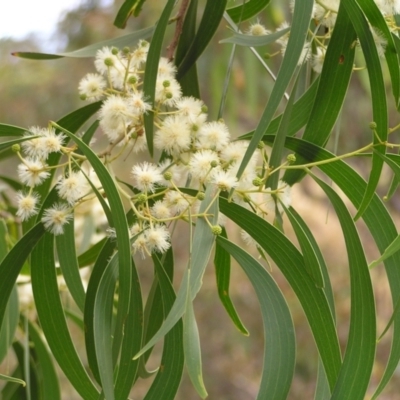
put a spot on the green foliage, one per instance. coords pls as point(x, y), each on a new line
point(125, 310)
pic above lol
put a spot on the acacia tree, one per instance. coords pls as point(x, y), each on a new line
point(146, 97)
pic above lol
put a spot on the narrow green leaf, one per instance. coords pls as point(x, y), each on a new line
point(332, 87)
point(189, 82)
point(377, 20)
point(52, 319)
point(11, 130)
point(278, 146)
point(69, 264)
point(209, 23)
point(191, 346)
point(167, 380)
point(301, 19)
point(49, 386)
point(9, 325)
point(151, 70)
point(90, 255)
point(97, 273)
point(291, 263)
point(132, 341)
point(11, 265)
point(102, 320)
point(379, 223)
point(9, 143)
point(12, 379)
point(358, 361)
point(248, 10)
point(242, 39)
point(279, 337)
point(125, 11)
point(222, 262)
point(378, 96)
point(311, 253)
point(203, 241)
point(394, 247)
point(121, 230)
point(90, 51)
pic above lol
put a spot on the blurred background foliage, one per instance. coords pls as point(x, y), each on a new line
point(33, 92)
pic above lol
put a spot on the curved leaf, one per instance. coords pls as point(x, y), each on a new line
point(242, 39)
point(279, 337)
point(90, 51)
point(247, 10)
point(52, 319)
point(298, 33)
point(151, 70)
point(291, 263)
point(209, 23)
point(359, 357)
point(222, 262)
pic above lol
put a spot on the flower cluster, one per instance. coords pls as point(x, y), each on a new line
point(195, 153)
point(324, 15)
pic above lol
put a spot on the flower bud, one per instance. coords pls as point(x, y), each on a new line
point(166, 83)
point(16, 148)
point(216, 230)
point(257, 181)
point(142, 198)
point(114, 51)
point(372, 125)
point(167, 175)
point(109, 62)
point(291, 158)
point(126, 50)
point(201, 196)
point(260, 145)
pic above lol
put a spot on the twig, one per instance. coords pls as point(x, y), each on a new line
point(178, 29)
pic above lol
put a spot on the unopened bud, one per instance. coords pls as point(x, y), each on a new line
point(291, 158)
point(166, 83)
point(114, 51)
point(372, 125)
point(216, 230)
point(167, 175)
point(201, 196)
point(142, 198)
point(257, 182)
point(16, 148)
point(214, 163)
point(260, 145)
point(126, 50)
point(132, 80)
point(204, 109)
point(83, 96)
point(109, 62)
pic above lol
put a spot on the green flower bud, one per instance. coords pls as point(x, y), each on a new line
point(257, 182)
point(168, 95)
point(109, 62)
point(126, 50)
point(216, 230)
point(83, 96)
point(167, 175)
point(372, 125)
point(204, 109)
point(132, 80)
point(291, 158)
point(16, 148)
point(214, 163)
point(114, 51)
point(201, 196)
point(166, 84)
point(142, 198)
point(260, 145)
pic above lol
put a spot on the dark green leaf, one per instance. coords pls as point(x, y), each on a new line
point(222, 262)
point(280, 342)
point(248, 10)
point(209, 23)
point(52, 319)
point(291, 263)
point(151, 70)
